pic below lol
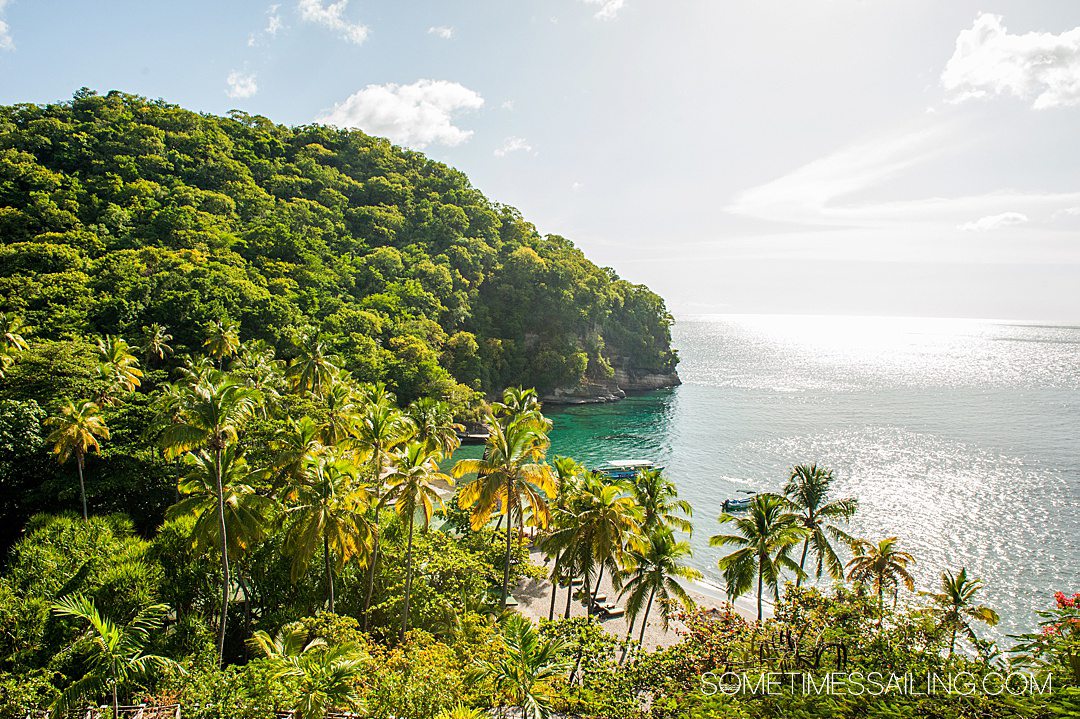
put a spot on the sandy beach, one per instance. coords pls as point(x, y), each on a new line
point(534, 601)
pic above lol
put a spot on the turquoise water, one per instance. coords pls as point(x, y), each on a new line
point(960, 437)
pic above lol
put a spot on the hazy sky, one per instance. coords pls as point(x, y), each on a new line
point(831, 156)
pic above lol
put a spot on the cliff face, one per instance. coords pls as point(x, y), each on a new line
point(624, 380)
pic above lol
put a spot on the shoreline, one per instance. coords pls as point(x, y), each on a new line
point(534, 601)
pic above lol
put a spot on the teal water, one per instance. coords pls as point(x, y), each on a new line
point(959, 437)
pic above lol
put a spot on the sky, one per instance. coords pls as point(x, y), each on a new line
point(860, 157)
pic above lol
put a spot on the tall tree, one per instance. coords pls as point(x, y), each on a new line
point(766, 535)
point(807, 491)
point(511, 475)
point(435, 425)
point(883, 565)
point(559, 539)
point(327, 507)
point(208, 414)
point(956, 604)
point(222, 340)
point(116, 651)
point(660, 503)
point(313, 370)
point(118, 367)
point(76, 431)
point(654, 574)
point(410, 486)
point(156, 347)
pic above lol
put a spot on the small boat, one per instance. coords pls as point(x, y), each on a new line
point(739, 504)
point(473, 437)
point(626, 468)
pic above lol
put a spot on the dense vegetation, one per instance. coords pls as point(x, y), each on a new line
point(117, 213)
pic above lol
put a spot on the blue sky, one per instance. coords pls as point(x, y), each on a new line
point(829, 156)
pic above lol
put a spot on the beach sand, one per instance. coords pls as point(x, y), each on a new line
point(534, 601)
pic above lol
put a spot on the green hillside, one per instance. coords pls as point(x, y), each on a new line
point(117, 212)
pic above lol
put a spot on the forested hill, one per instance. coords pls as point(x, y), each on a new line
point(117, 212)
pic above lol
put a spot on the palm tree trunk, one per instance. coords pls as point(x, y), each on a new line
point(115, 701)
point(506, 569)
point(224, 556)
point(760, 586)
point(376, 471)
point(952, 645)
point(802, 561)
point(329, 574)
point(569, 594)
point(554, 585)
point(408, 580)
point(629, 634)
point(648, 607)
point(82, 486)
point(596, 589)
point(880, 603)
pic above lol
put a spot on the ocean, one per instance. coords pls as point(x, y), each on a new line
point(960, 437)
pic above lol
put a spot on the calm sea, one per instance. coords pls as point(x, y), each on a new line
point(960, 437)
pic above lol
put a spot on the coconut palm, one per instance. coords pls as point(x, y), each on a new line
point(247, 514)
point(524, 672)
point(76, 431)
point(295, 447)
point(881, 565)
point(380, 428)
point(807, 492)
point(326, 509)
point(13, 331)
point(156, 347)
point(116, 651)
point(765, 538)
point(291, 641)
point(957, 608)
point(342, 410)
point(313, 369)
point(222, 340)
point(557, 542)
point(410, 487)
point(118, 367)
point(660, 503)
point(511, 475)
point(606, 528)
point(435, 424)
point(655, 574)
point(208, 415)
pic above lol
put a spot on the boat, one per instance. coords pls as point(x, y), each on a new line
point(626, 468)
point(739, 504)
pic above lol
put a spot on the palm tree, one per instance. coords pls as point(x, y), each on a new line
point(410, 487)
point(568, 474)
point(524, 672)
point(156, 347)
point(807, 491)
point(117, 366)
point(655, 573)
point(222, 340)
point(327, 507)
point(954, 601)
point(881, 564)
point(766, 535)
point(435, 424)
point(381, 428)
point(76, 433)
point(117, 653)
point(291, 641)
point(295, 447)
point(313, 369)
point(247, 514)
point(606, 528)
point(510, 475)
point(342, 410)
point(12, 332)
point(327, 679)
point(659, 500)
point(208, 414)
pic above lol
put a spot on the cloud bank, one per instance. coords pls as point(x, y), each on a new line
point(415, 115)
point(994, 222)
point(989, 61)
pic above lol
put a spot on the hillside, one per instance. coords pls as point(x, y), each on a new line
point(117, 212)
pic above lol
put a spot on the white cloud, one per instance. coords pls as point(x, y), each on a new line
point(444, 31)
point(994, 222)
point(988, 60)
point(575, 185)
point(514, 144)
point(332, 17)
point(1067, 212)
point(241, 84)
point(6, 42)
point(416, 115)
point(507, 105)
point(273, 21)
point(606, 9)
